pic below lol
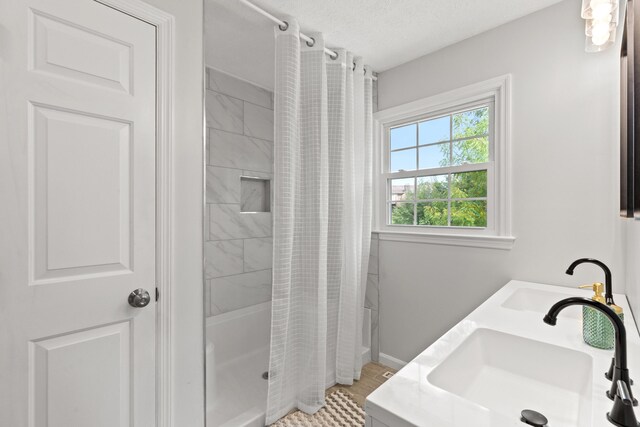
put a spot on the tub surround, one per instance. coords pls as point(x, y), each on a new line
point(238, 241)
point(238, 244)
point(419, 395)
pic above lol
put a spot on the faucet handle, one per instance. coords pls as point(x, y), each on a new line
point(624, 394)
point(622, 412)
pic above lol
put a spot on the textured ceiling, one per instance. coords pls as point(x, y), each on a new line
point(386, 33)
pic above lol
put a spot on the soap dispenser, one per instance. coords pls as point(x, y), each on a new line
point(597, 330)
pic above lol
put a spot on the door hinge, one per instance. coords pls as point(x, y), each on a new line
point(157, 294)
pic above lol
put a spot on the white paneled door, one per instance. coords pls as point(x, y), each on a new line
point(77, 215)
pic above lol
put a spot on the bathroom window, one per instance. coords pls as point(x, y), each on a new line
point(439, 169)
point(444, 169)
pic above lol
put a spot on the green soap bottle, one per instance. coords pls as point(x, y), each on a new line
point(597, 330)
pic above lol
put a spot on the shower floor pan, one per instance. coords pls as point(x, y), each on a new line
point(237, 356)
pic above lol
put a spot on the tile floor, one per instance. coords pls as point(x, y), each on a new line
point(371, 378)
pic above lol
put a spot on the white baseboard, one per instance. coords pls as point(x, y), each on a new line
point(391, 361)
point(366, 355)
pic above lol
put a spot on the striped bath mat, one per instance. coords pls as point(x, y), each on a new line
point(340, 410)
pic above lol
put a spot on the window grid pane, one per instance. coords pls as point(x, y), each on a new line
point(471, 213)
point(467, 125)
point(403, 136)
point(402, 190)
point(471, 122)
point(434, 130)
point(470, 151)
point(460, 198)
point(434, 156)
point(403, 160)
point(402, 213)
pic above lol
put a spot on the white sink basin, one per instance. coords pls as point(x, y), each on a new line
point(539, 301)
point(507, 373)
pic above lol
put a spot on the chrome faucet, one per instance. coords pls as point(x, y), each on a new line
point(622, 412)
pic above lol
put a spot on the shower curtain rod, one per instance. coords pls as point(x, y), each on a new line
point(284, 25)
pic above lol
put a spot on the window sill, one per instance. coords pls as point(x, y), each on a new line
point(477, 241)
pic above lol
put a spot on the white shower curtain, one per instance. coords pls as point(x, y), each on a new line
point(322, 227)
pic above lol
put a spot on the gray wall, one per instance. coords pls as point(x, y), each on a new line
point(238, 245)
point(565, 174)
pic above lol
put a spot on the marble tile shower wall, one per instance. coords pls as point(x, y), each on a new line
point(238, 245)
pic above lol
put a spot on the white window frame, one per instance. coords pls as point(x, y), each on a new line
point(497, 94)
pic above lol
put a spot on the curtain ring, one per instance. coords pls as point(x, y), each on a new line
point(284, 27)
point(354, 67)
point(312, 43)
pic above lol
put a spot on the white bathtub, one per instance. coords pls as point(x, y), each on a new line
point(238, 355)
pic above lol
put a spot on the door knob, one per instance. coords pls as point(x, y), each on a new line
point(139, 298)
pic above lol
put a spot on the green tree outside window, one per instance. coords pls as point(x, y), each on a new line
point(470, 145)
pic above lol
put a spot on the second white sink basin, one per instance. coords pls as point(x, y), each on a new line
point(539, 301)
point(507, 373)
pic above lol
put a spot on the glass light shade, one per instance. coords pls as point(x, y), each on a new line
point(598, 27)
point(599, 9)
point(601, 22)
point(600, 41)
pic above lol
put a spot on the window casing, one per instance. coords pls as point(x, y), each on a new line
point(428, 199)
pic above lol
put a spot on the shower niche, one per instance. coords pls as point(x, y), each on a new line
point(255, 194)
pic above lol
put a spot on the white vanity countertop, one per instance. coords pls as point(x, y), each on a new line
point(409, 399)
